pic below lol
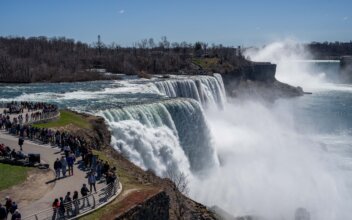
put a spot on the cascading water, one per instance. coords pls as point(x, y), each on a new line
point(208, 90)
point(169, 134)
point(274, 157)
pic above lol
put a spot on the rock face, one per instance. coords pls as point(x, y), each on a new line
point(155, 207)
point(258, 80)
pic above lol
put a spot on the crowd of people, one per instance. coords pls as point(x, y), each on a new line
point(68, 206)
point(19, 107)
point(72, 147)
point(7, 152)
point(34, 111)
point(9, 207)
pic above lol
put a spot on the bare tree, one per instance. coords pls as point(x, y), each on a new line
point(180, 189)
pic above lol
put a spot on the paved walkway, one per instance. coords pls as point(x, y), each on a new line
point(48, 155)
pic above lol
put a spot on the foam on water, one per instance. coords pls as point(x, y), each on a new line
point(183, 118)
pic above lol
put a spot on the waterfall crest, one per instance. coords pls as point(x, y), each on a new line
point(208, 90)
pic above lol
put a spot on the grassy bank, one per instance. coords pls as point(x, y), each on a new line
point(12, 175)
point(66, 118)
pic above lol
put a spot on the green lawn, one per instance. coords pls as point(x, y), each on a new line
point(206, 63)
point(12, 175)
point(66, 117)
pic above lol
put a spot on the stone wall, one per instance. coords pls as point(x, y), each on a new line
point(154, 207)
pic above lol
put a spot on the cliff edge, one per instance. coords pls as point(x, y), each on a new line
point(257, 79)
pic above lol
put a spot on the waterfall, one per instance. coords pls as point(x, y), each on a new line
point(169, 134)
point(208, 90)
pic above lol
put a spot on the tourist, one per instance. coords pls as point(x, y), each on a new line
point(8, 204)
point(13, 154)
point(67, 150)
point(70, 161)
point(20, 142)
point(106, 168)
point(68, 202)
point(84, 193)
point(3, 212)
point(56, 206)
point(75, 202)
point(98, 169)
point(62, 209)
point(110, 177)
point(63, 166)
point(13, 208)
point(16, 215)
point(91, 181)
point(57, 168)
point(21, 155)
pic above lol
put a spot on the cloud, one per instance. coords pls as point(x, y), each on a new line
point(122, 11)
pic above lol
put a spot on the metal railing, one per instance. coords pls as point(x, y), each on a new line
point(78, 207)
point(44, 116)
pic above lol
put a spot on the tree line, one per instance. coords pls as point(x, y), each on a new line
point(40, 59)
point(330, 50)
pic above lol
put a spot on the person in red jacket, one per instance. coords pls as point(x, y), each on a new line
point(56, 206)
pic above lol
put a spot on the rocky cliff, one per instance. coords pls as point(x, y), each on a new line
point(154, 207)
point(258, 80)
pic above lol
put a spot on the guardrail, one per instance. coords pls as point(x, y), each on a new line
point(45, 116)
point(79, 207)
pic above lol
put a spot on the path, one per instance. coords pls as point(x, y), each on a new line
point(48, 154)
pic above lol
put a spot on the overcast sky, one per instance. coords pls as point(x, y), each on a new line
point(236, 22)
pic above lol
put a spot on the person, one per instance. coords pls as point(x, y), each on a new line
point(16, 215)
point(68, 202)
point(75, 202)
point(106, 168)
point(57, 167)
point(3, 212)
point(91, 181)
point(67, 150)
point(21, 141)
point(13, 208)
point(13, 154)
point(63, 166)
point(8, 204)
point(62, 209)
point(56, 206)
point(70, 161)
point(99, 169)
point(84, 193)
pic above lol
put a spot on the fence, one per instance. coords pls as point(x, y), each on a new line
point(45, 116)
point(79, 207)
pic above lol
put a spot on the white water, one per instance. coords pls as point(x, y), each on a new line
point(272, 161)
point(269, 168)
point(174, 135)
point(287, 54)
point(208, 90)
